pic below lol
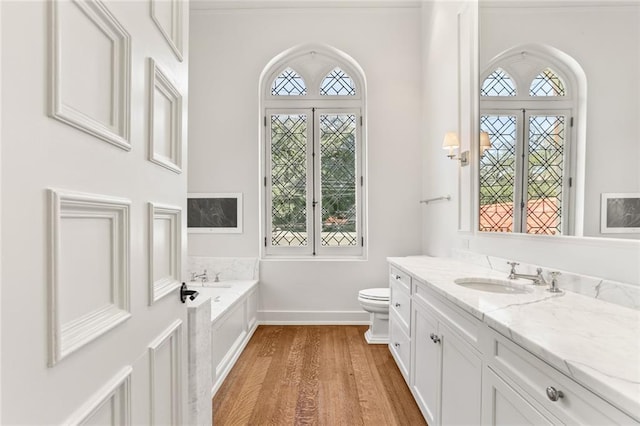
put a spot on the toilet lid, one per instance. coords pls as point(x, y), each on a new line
point(375, 293)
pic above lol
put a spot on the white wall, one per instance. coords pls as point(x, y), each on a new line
point(607, 258)
point(229, 49)
point(440, 110)
point(605, 41)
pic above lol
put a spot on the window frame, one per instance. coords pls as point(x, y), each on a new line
point(523, 105)
point(323, 105)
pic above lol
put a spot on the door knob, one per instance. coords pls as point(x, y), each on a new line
point(184, 293)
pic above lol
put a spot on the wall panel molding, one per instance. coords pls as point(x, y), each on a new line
point(162, 86)
point(170, 340)
point(117, 393)
point(163, 285)
point(173, 34)
point(116, 129)
point(70, 335)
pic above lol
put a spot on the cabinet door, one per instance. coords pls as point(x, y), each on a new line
point(502, 405)
point(461, 380)
point(426, 364)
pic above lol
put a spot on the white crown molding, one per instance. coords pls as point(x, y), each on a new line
point(202, 5)
point(172, 35)
point(159, 288)
point(72, 335)
point(172, 337)
point(116, 133)
point(554, 4)
point(160, 81)
point(118, 391)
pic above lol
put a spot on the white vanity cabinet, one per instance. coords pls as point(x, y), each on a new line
point(446, 369)
point(537, 393)
point(399, 319)
point(462, 371)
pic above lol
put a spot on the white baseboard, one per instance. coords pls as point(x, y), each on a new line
point(313, 317)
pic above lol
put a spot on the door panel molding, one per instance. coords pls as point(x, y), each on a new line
point(169, 340)
point(114, 399)
point(172, 30)
point(165, 245)
point(70, 329)
point(63, 74)
point(165, 145)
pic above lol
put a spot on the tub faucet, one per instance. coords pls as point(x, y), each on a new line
point(537, 279)
point(202, 277)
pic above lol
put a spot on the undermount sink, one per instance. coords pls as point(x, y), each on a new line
point(492, 285)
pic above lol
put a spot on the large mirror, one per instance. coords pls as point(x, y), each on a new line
point(560, 118)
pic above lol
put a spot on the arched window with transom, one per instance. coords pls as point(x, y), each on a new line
point(527, 110)
point(312, 103)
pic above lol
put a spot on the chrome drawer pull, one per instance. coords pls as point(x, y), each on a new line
point(554, 394)
point(434, 338)
point(397, 305)
point(397, 345)
point(397, 277)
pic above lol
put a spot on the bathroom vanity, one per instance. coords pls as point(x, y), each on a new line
point(516, 357)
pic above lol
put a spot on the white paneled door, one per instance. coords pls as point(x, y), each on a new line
point(93, 217)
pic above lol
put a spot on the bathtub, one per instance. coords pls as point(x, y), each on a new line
point(233, 320)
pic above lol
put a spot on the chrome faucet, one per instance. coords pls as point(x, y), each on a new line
point(202, 277)
point(537, 279)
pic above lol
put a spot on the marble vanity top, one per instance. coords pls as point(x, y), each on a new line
point(594, 342)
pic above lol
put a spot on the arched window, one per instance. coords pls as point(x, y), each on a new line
point(313, 155)
point(288, 83)
point(525, 174)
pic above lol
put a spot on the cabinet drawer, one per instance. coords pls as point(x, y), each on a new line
point(400, 304)
point(399, 345)
point(578, 405)
point(463, 323)
point(397, 276)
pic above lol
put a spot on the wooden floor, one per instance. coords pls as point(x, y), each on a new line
point(314, 375)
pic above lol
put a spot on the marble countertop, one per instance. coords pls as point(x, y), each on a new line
point(594, 342)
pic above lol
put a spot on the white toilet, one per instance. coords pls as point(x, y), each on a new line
point(376, 302)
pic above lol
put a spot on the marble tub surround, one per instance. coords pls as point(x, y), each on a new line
point(623, 294)
point(199, 354)
point(220, 299)
point(595, 343)
point(228, 268)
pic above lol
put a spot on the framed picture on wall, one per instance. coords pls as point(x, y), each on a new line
point(214, 213)
point(620, 213)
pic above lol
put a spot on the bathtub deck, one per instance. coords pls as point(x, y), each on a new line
point(325, 375)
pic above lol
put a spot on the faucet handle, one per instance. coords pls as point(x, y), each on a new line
point(512, 274)
point(553, 286)
point(513, 264)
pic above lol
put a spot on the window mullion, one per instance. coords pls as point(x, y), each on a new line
point(519, 218)
point(314, 181)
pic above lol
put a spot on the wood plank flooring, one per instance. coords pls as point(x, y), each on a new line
point(314, 375)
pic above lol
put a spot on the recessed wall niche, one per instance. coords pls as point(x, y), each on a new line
point(88, 285)
point(89, 75)
point(167, 15)
point(164, 250)
point(165, 120)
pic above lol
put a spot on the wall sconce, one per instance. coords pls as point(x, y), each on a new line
point(485, 142)
point(451, 142)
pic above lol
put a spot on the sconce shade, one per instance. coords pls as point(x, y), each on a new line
point(450, 141)
point(485, 142)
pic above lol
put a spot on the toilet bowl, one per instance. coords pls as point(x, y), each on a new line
point(376, 302)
